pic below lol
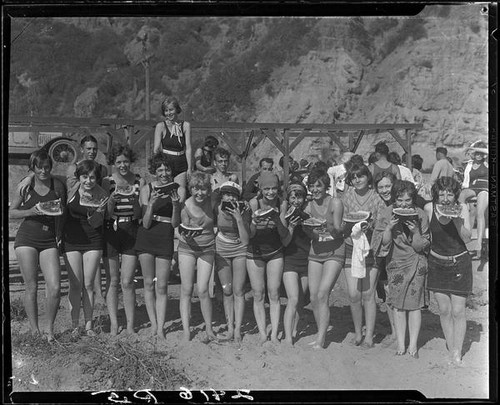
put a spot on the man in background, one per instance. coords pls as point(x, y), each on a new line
point(442, 167)
point(251, 189)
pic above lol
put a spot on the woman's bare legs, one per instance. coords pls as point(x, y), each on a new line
point(148, 269)
point(49, 263)
point(354, 292)
point(74, 267)
point(223, 266)
point(112, 267)
point(162, 276)
point(186, 270)
point(256, 269)
point(274, 271)
point(414, 323)
point(368, 298)
point(27, 258)
point(239, 278)
point(292, 287)
point(91, 260)
point(203, 273)
point(482, 206)
point(400, 324)
point(129, 264)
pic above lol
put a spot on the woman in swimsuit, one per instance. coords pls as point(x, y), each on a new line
point(83, 241)
point(265, 253)
point(120, 232)
point(450, 265)
point(475, 184)
point(230, 255)
point(197, 251)
point(37, 239)
point(173, 138)
point(155, 241)
point(327, 253)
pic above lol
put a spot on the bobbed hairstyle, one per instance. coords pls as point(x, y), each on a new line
point(383, 175)
point(38, 158)
point(357, 160)
point(401, 187)
point(445, 183)
point(266, 160)
point(118, 150)
point(442, 150)
point(199, 179)
point(156, 161)
point(394, 158)
point(297, 188)
point(417, 161)
point(88, 138)
point(372, 158)
point(86, 167)
point(221, 152)
point(382, 149)
point(318, 174)
point(174, 102)
point(358, 171)
point(211, 142)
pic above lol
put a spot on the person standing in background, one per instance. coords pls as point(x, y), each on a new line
point(251, 188)
point(338, 174)
point(442, 167)
point(204, 156)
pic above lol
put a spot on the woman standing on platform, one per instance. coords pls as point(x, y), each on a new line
point(265, 252)
point(83, 241)
point(360, 196)
point(37, 239)
point(120, 233)
point(450, 265)
point(173, 138)
point(230, 255)
point(155, 240)
point(327, 253)
point(196, 252)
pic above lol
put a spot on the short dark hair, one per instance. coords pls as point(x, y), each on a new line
point(318, 174)
point(221, 152)
point(118, 150)
point(382, 148)
point(383, 175)
point(357, 160)
point(417, 161)
point(87, 166)
point(38, 158)
point(358, 171)
point(88, 138)
point(266, 160)
point(445, 183)
point(211, 141)
point(372, 158)
point(320, 165)
point(404, 186)
point(394, 158)
point(156, 161)
point(442, 149)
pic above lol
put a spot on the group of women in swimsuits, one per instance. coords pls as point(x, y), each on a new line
point(424, 253)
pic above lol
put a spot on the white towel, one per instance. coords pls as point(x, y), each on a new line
point(360, 249)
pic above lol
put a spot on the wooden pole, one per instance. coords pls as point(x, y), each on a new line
point(286, 160)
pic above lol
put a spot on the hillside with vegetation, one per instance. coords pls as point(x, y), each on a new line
point(429, 69)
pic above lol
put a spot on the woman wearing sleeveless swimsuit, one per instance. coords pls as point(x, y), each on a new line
point(83, 244)
point(173, 138)
point(476, 184)
point(230, 256)
point(197, 252)
point(37, 239)
point(265, 253)
point(120, 232)
point(450, 266)
point(360, 196)
point(327, 253)
point(155, 241)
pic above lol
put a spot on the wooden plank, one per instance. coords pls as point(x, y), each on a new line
point(398, 138)
point(336, 140)
point(273, 138)
point(296, 141)
point(286, 158)
point(358, 140)
point(408, 153)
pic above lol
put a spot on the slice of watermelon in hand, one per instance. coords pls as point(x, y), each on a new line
point(264, 213)
point(357, 216)
point(190, 231)
point(125, 190)
point(449, 210)
point(294, 212)
point(92, 201)
point(314, 222)
point(405, 214)
point(51, 208)
point(166, 190)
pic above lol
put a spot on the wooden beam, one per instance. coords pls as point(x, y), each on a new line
point(336, 140)
point(286, 159)
point(296, 141)
point(408, 153)
point(398, 138)
point(230, 143)
point(358, 141)
point(272, 137)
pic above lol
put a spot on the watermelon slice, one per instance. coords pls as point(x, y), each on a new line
point(264, 212)
point(52, 207)
point(190, 230)
point(314, 222)
point(93, 201)
point(228, 204)
point(125, 190)
point(294, 212)
point(166, 189)
point(405, 213)
point(357, 216)
point(449, 210)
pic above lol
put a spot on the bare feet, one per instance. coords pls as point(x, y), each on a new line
point(114, 329)
point(262, 339)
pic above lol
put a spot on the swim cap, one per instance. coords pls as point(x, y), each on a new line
point(267, 179)
point(231, 187)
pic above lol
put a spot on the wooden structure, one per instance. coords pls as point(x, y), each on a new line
point(285, 137)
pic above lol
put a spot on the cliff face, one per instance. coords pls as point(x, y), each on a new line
point(439, 80)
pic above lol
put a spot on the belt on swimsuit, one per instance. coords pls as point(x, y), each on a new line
point(122, 219)
point(173, 153)
point(452, 258)
point(159, 218)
